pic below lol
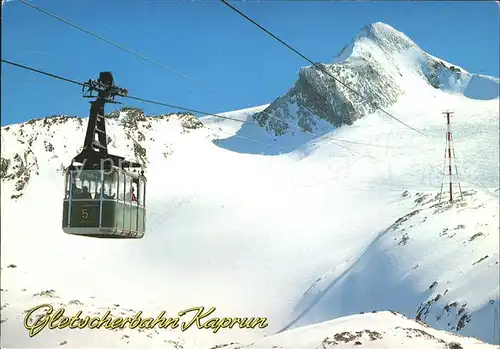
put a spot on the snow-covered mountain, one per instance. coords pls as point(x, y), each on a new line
point(327, 229)
point(457, 231)
point(381, 64)
point(375, 330)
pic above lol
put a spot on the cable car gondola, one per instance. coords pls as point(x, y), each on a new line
point(105, 195)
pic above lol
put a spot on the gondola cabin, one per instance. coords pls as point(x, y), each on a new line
point(104, 197)
point(106, 203)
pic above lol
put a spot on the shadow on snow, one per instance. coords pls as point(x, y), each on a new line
point(254, 139)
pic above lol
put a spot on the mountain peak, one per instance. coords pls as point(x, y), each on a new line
point(381, 63)
point(374, 37)
point(385, 37)
point(378, 28)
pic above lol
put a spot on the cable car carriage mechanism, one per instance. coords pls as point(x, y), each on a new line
point(104, 193)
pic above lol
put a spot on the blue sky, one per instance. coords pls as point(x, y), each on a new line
point(209, 42)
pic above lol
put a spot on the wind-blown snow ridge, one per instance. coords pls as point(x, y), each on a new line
point(377, 330)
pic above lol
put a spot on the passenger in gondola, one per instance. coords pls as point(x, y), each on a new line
point(105, 196)
point(134, 198)
point(85, 193)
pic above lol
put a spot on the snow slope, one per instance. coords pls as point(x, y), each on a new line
point(14, 335)
point(377, 330)
point(447, 299)
point(230, 227)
